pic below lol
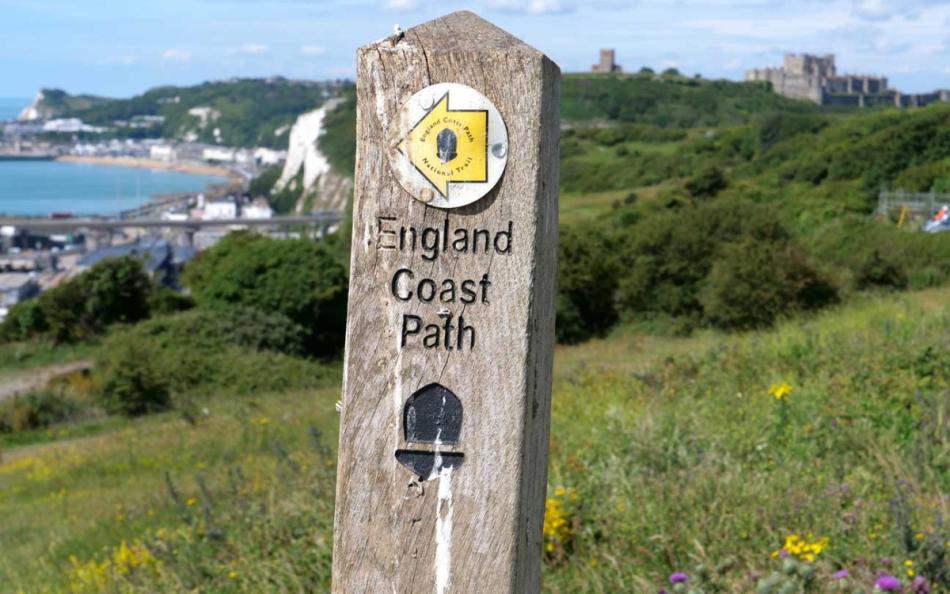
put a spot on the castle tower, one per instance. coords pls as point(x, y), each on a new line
point(608, 62)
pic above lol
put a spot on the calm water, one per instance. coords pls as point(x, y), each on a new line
point(43, 187)
point(10, 107)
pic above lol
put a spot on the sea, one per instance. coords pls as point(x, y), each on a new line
point(41, 188)
point(10, 107)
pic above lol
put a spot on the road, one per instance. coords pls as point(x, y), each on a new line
point(22, 382)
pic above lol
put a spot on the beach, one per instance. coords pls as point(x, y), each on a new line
point(98, 186)
point(142, 163)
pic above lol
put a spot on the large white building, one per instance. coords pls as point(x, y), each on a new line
point(259, 209)
point(220, 209)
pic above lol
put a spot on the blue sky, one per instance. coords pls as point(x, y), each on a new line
point(122, 47)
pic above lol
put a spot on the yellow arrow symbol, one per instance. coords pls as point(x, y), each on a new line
point(449, 145)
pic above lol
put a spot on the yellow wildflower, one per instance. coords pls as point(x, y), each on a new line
point(191, 502)
point(557, 529)
point(806, 549)
point(780, 391)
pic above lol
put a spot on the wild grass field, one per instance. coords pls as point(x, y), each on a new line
point(705, 455)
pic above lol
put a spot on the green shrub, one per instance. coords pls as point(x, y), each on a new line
point(707, 183)
point(778, 126)
point(164, 301)
point(849, 244)
point(880, 272)
point(24, 321)
point(64, 310)
point(587, 282)
point(116, 291)
point(264, 182)
point(210, 330)
point(35, 411)
point(202, 352)
point(299, 279)
point(132, 384)
point(754, 283)
point(667, 256)
point(113, 291)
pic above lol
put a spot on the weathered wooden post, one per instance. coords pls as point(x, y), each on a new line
point(450, 330)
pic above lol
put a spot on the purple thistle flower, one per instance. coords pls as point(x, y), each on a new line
point(840, 575)
point(919, 586)
point(783, 553)
point(888, 583)
point(679, 578)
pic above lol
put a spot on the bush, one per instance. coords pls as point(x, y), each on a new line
point(113, 291)
point(299, 279)
point(850, 243)
point(116, 291)
point(753, 283)
point(24, 321)
point(166, 301)
point(707, 183)
point(131, 384)
point(35, 411)
point(880, 272)
point(212, 330)
point(587, 282)
point(667, 256)
point(264, 182)
point(64, 309)
point(236, 351)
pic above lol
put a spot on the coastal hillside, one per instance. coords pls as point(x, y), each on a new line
point(237, 112)
point(55, 103)
point(669, 100)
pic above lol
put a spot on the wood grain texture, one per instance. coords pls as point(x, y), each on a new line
point(386, 519)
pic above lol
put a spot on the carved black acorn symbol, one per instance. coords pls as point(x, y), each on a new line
point(433, 415)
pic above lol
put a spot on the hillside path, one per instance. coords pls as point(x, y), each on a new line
point(35, 379)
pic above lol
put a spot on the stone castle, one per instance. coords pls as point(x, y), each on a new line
point(816, 78)
point(608, 62)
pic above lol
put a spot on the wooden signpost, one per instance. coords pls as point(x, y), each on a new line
point(450, 329)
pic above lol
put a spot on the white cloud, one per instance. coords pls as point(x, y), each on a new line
point(176, 55)
point(121, 60)
point(885, 10)
point(313, 50)
point(518, 6)
point(401, 5)
point(532, 6)
point(253, 48)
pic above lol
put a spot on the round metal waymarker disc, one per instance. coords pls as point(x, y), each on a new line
point(449, 146)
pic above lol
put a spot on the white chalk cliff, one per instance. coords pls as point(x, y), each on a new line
point(328, 189)
point(33, 113)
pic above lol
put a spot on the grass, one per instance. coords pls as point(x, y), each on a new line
point(15, 357)
point(666, 453)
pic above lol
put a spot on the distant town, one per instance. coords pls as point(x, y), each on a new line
point(40, 252)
